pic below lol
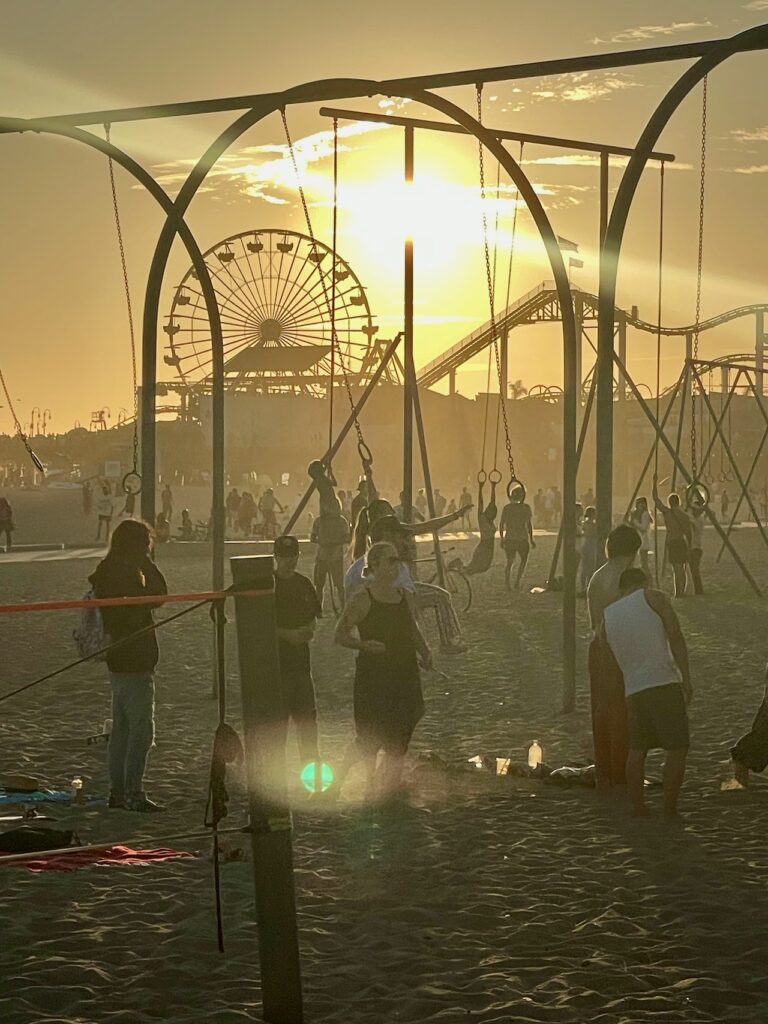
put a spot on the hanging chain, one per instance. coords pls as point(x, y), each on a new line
point(699, 272)
point(128, 304)
point(334, 234)
point(491, 296)
point(658, 313)
point(331, 311)
point(19, 429)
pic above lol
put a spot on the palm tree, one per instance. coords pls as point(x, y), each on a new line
point(517, 389)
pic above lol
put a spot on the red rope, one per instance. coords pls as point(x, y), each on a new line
point(120, 602)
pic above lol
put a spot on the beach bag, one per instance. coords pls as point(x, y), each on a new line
point(90, 635)
point(31, 839)
point(332, 530)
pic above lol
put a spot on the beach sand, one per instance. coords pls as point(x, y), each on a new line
point(482, 899)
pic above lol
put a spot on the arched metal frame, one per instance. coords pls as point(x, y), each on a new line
point(513, 169)
point(174, 217)
point(749, 40)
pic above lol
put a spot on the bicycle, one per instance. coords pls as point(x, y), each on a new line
point(455, 582)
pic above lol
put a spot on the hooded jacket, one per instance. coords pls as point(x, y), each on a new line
point(115, 580)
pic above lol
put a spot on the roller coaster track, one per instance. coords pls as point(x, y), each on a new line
point(541, 305)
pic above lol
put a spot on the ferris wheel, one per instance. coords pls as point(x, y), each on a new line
point(275, 291)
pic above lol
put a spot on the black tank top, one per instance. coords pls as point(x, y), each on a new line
point(391, 625)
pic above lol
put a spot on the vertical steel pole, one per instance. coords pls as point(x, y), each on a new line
point(504, 365)
point(408, 336)
point(760, 356)
point(148, 396)
point(578, 312)
point(264, 731)
point(622, 325)
point(604, 394)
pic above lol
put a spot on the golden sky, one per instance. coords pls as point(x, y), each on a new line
point(62, 320)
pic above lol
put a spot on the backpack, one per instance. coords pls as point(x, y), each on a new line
point(332, 530)
point(90, 635)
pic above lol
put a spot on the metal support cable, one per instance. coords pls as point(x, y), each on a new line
point(128, 304)
point(491, 297)
point(310, 232)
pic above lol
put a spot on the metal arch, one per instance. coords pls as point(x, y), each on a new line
point(751, 39)
point(548, 235)
point(180, 226)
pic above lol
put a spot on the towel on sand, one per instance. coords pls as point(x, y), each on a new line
point(48, 796)
point(107, 857)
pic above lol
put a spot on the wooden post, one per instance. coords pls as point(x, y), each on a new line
point(264, 729)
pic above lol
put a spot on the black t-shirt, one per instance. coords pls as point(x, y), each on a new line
point(296, 604)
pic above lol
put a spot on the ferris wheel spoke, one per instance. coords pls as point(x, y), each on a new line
point(269, 278)
point(248, 282)
point(287, 280)
point(237, 290)
point(308, 301)
point(230, 298)
point(291, 288)
point(260, 290)
point(229, 340)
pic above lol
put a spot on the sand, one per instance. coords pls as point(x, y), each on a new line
point(482, 899)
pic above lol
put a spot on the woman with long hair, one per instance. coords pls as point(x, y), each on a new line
point(128, 571)
point(380, 624)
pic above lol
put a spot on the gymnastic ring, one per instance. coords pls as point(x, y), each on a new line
point(697, 495)
point(494, 477)
point(132, 483)
point(365, 453)
point(482, 477)
point(707, 478)
point(513, 487)
point(723, 478)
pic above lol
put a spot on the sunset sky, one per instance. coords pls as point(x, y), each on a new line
point(64, 330)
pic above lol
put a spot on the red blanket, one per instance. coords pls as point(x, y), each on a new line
point(107, 857)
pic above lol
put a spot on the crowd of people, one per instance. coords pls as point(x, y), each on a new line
point(640, 679)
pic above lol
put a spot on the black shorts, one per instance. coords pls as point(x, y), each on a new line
point(516, 547)
point(658, 719)
point(677, 551)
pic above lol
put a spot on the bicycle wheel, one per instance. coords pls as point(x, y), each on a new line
point(460, 589)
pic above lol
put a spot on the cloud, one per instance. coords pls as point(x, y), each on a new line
point(585, 86)
point(747, 135)
point(754, 169)
point(757, 5)
point(644, 32)
point(267, 172)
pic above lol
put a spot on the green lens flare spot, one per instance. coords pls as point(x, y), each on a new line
point(316, 777)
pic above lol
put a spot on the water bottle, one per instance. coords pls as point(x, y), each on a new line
point(76, 790)
point(535, 755)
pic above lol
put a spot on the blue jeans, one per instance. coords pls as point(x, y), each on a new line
point(133, 731)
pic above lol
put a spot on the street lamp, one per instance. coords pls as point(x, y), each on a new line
point(46, 420)
point(36, 409)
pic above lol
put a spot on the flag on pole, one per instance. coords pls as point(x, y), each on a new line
point(575, 264)
point(566, 245)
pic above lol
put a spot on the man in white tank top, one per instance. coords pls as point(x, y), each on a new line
point(643, 634)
